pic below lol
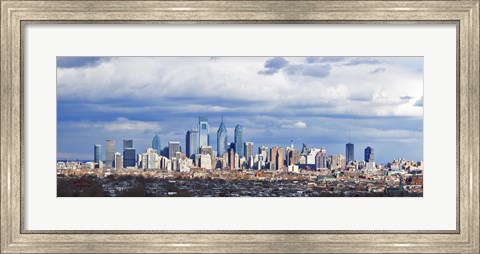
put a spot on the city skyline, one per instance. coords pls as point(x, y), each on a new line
point(192, 148)
point(388, 120)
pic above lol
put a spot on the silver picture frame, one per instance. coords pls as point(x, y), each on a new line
point(16, 14)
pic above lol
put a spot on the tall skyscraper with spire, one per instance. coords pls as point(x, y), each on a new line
point(221, 139)
point(239, 140)
point(349, 152)
point(203, 130)
point(156, 144)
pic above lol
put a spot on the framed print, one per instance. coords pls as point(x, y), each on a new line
point(239, 126)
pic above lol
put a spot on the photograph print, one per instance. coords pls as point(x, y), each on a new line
point(217, 126)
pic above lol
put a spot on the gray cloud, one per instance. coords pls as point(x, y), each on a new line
point(325, 59)
point(273, 65)
point(361, 97)
point(419, 102)
point(406, 97)
point(77, 62)
point(362, 60)
point(318, 71)
point(378, 70)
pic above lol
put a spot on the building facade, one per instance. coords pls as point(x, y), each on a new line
point(97, 153)
point(191, 142)
point(239, 140)
point(203, 130)
point(321, 159)
point(248, 148)
point(156, 144)
point(221, 139)
point(277, 158)
point(129, 157)
point(349, 153)
point(118, 162)
point(369, 154)
point(110, 153)
point(173, 148)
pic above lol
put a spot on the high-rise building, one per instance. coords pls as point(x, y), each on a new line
point(173, 148)
point(292, 156)
point(149, 159)
point(97, 153)
point(206, 161)
point(349, 152)
point(337, 161)
point(221, 139)
point(192, 140)
point(289, 155)
point(239, 140)
point(321, 159)
point(305, 149)
point(280, 158)
point(110, 153)
point(203, 130)
point(248, 148)
point(118, 162)
point(128, 153)
point(129, 157)
point(312, 153)
point(277, 158)
point(231, 159)
point(188, 149)
point(369, 154)
point(156, 144)
point(263, 152)
point(207, 150)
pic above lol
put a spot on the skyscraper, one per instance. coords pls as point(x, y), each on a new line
point(128, 153)
point(370, 159)
point(248, 150)
point(173, 148)
point(110, 153)
point(231, 159)
point(349, 152)
point(129, 157)
point(369, 154)
point(321, 159)
point(188, 150)
point(239, 140)
point(192, 142)
point(97, 153)
point(203, 130)
point(156, 144)
point(263, 152)
point(304, 149)
point(277, 158)
point(118, 163)
point(221, 139)
point(280, 158)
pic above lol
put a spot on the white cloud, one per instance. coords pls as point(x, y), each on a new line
point(296, 125)
point(120, 124)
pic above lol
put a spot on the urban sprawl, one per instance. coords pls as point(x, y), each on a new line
point(235, 170)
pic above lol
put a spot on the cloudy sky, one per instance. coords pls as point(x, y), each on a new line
point(320, 101)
